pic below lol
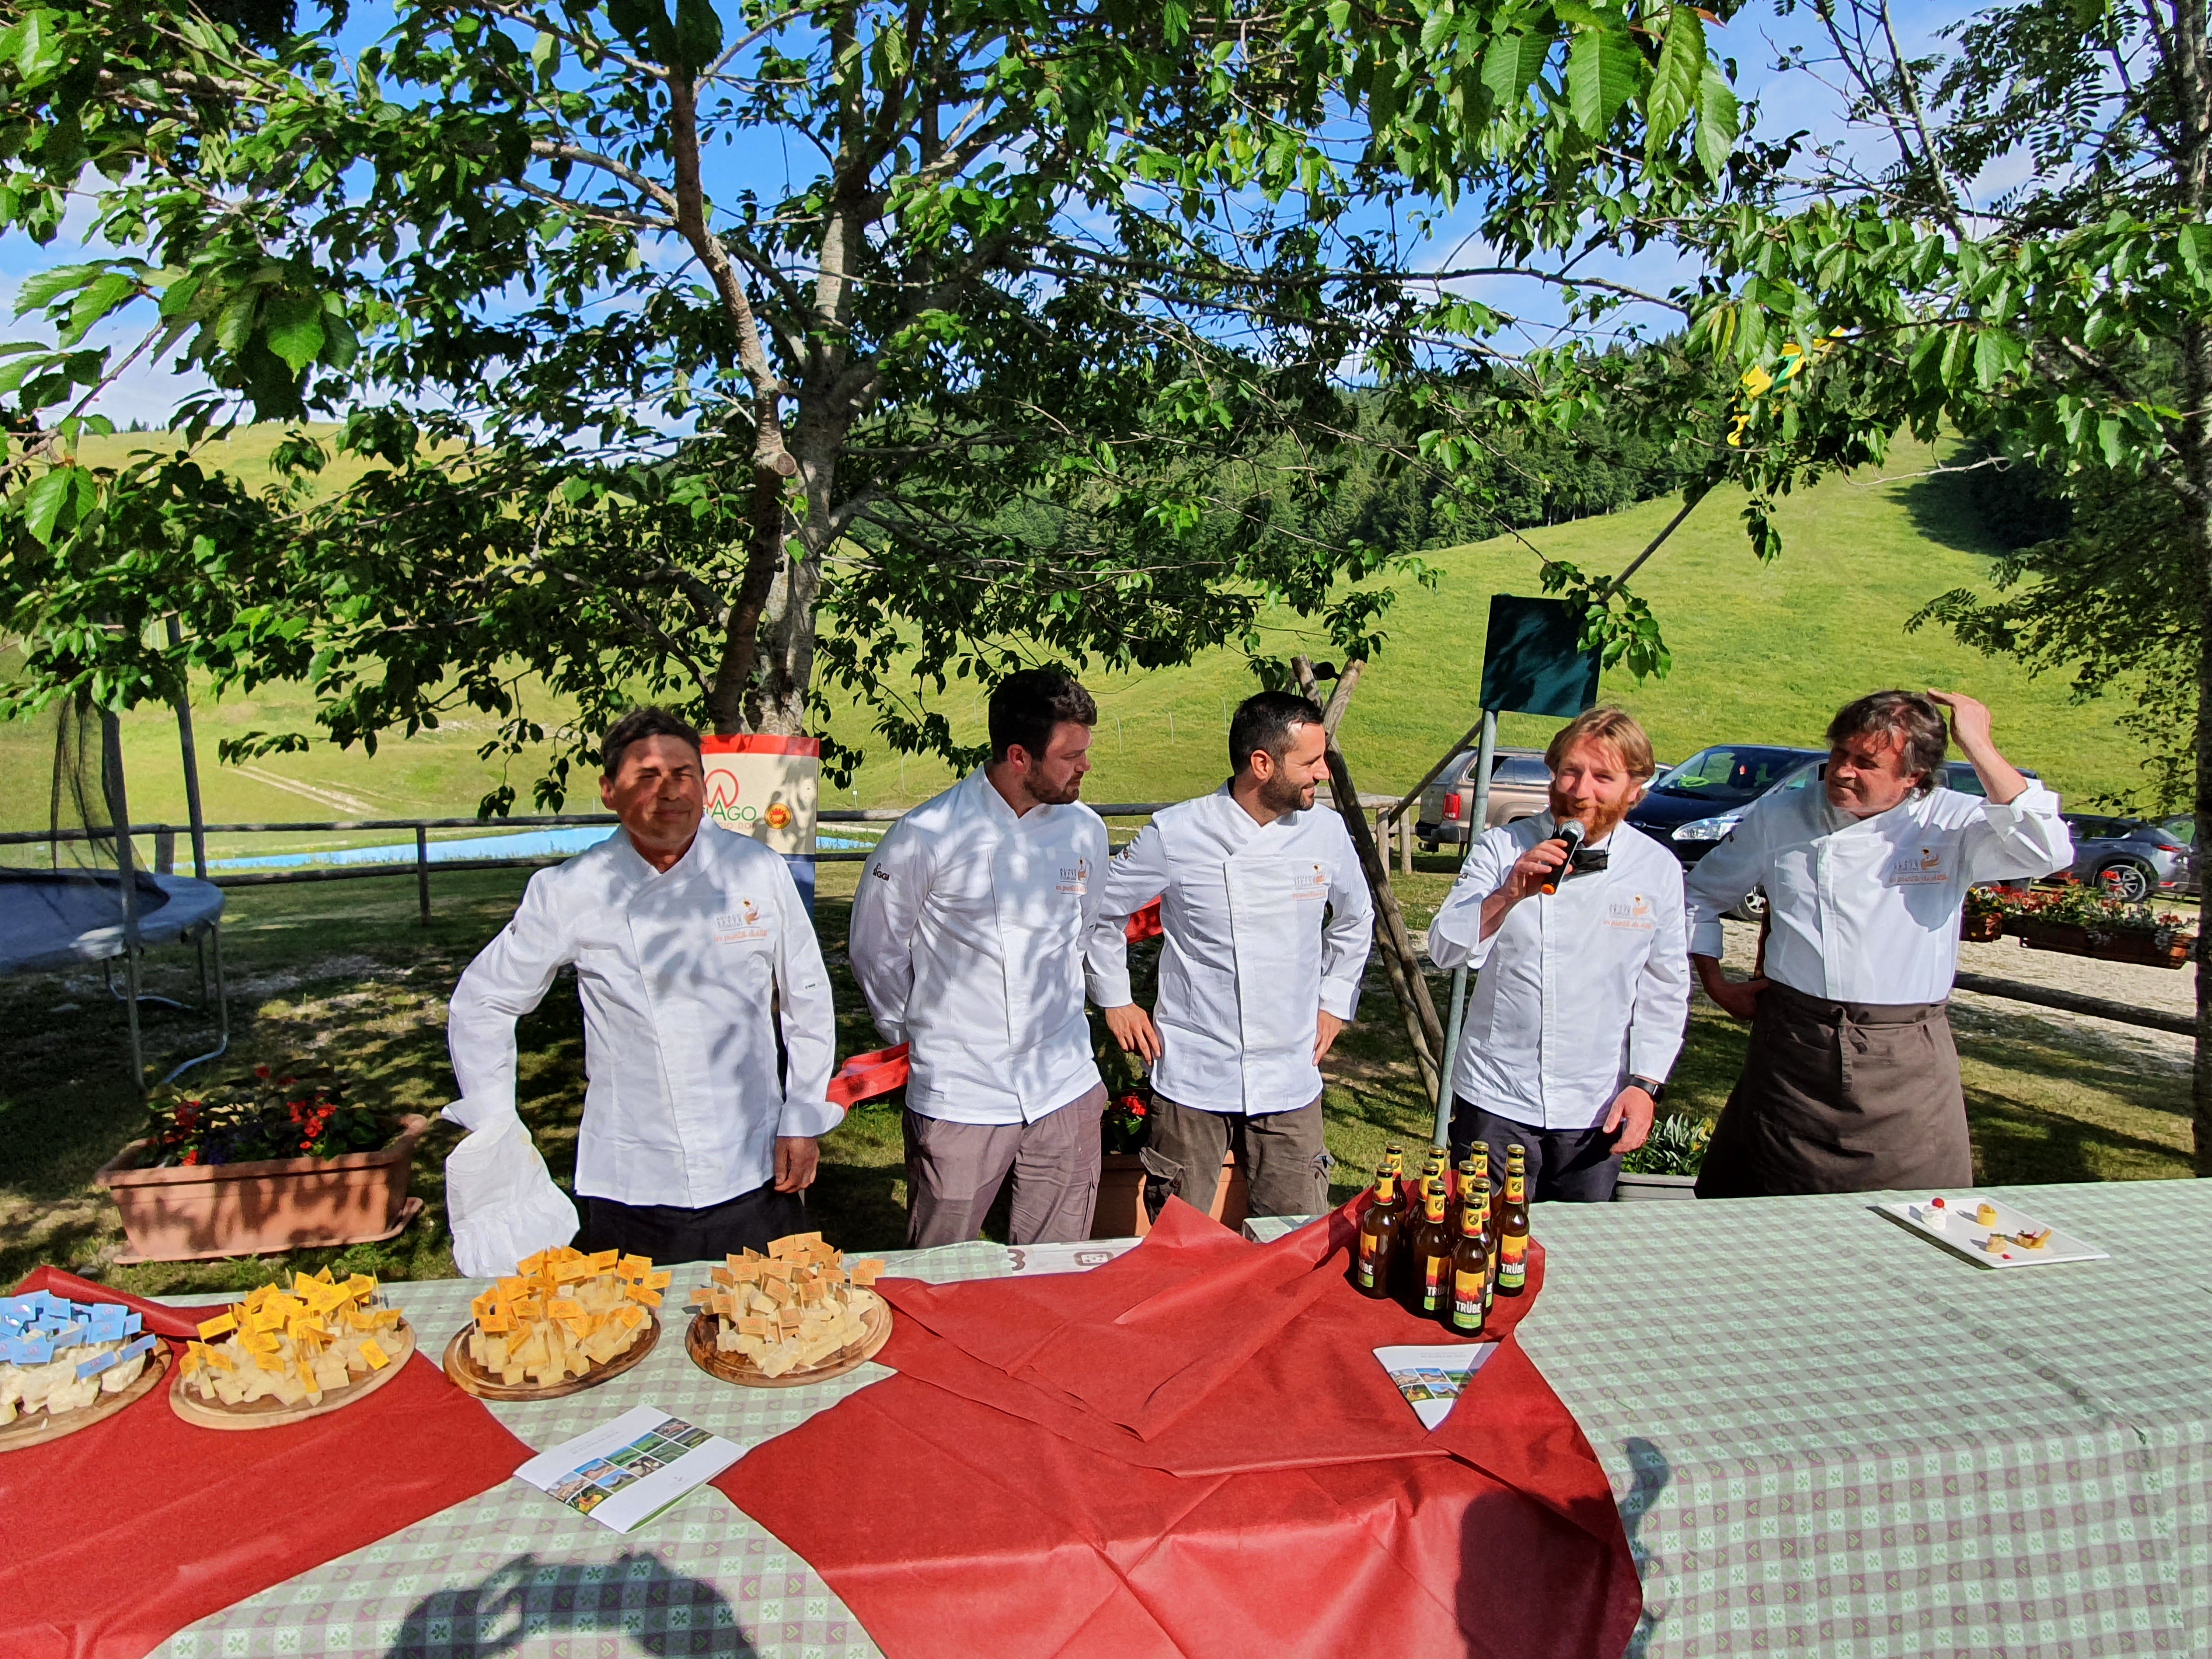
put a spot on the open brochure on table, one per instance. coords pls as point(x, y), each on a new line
point(624, 1473)
point(1432, 1378)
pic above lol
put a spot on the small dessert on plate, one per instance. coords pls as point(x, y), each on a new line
point(1985, 1213)
point(1932, 1215)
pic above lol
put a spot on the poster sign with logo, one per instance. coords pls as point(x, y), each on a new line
point(767, 787)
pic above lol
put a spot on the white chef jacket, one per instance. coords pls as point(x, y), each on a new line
point(1247, 963)
point(968, 941)
point(1579, 990)
point(1867, 910)
point(676, 972)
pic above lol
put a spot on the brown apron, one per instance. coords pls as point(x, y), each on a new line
point(1841, 1097)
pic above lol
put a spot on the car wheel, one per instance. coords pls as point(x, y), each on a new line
point(2129, 881)
point(1428, 846)
point(1752, 909)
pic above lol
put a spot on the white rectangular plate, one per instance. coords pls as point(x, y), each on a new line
point(1964, 1234)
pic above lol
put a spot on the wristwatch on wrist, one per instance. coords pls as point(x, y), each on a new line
point(1651, 1086)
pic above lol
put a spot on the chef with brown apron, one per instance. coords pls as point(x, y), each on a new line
point(1851, 1084)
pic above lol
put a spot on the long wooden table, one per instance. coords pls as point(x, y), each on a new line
point(1826, 1434)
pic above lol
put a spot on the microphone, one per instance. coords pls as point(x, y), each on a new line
point(1573, 833)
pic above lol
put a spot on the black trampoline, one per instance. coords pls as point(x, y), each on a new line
point(102, 905)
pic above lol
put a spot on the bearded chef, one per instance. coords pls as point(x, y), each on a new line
point(1266, 922)
point(1851, 1083)
point(967, 940)
point(687, 942)
point(1578, 1011)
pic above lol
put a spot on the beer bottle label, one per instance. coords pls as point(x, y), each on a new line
point(1467, 1301)
point(1366, 1261)
point(1513, 1262)
point(1433, 1269)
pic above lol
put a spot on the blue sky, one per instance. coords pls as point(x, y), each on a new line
point(1754, 38)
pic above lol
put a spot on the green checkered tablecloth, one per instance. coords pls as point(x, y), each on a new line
point(1825, 1434)
point(511, 1572)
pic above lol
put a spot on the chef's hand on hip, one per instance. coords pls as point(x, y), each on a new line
point(1631, 1114)
point(1133, 1030)
point(1325, 1034)
point(796, 1157)
point(1737, 1000)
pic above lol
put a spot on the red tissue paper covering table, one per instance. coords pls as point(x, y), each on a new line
point(127, 1531)
point(1192, 1451)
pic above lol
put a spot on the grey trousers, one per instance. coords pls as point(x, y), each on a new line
point(954, 1172)
point(1285, 1161)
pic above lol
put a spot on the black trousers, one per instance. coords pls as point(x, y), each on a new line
point(668, 1233)
point(1574, 1166)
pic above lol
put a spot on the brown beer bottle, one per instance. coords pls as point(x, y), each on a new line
point(1393, 1159)
point(1440, 1162)
point(1480, 1207)
point(1470, 1281)
point(1433, 1247)
point(1513, 1227)
point(1381, 1230)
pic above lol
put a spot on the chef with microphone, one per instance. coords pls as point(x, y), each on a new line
point(1577, 1013)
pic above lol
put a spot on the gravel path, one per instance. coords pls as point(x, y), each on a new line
point(2169, 989)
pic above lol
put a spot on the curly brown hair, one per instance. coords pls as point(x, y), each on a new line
point(1913, 721)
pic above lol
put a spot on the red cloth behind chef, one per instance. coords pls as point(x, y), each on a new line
point(119, 1535)
point(1220, 1469)
point(1142, 925)
point(866, 1077)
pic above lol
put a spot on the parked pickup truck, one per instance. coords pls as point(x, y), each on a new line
point(1520, 787)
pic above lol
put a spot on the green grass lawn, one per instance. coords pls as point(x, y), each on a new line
point(340, 975)
point(1762, 653)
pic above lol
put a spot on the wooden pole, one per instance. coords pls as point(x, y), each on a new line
point(1423, 1030)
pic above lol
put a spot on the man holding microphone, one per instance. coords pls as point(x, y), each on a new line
point(1851, 1084)
point(1266, 920)
point(1578, 1012)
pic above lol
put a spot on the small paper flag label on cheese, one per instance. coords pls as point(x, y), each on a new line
point(378, 1359)
point(221, 1325)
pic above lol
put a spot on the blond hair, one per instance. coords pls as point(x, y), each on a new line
point(1615, 728)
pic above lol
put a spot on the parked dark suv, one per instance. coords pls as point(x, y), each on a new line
point(1707, 793)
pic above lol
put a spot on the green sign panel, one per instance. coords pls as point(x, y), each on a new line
point(1531, 661)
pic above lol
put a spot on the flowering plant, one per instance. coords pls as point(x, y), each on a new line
point(1127, 1118)
point(2078, 904)
point(266, 1116)
point(1676, 1146)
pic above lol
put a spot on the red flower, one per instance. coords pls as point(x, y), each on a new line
point(191, 1158)
point(1137, 1107)
point(261, 1070)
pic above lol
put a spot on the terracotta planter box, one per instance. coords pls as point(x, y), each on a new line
point(2104, 943)
point(1120, 1212)
point(1633, 1188)
point(203, 1212)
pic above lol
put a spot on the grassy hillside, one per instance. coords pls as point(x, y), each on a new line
point(1761, 653)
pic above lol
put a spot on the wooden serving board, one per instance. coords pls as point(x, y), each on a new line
point(44, 1427)
point(471, 1378)
point(267, 1413)
point(699, 1343)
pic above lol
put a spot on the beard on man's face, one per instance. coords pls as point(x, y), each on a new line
point(1284, 794)
point(1065, 793)
point(1597, 820)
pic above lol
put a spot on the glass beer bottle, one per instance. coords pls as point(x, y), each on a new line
point(1433, 1247)
point(1513, 1227)
point(1381, 1230)
point(1470, 1279)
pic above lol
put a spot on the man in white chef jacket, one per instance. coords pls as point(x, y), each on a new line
point(686, 941)
point(1851, 1083)
point(967, 940)
point(1577, 1013)
point(1266, 921)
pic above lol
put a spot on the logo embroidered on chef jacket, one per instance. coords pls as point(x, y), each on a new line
point(1633, 913)
point(1075, 878)
point(1313, 886)
point(1917, 865)
point(735, 927)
